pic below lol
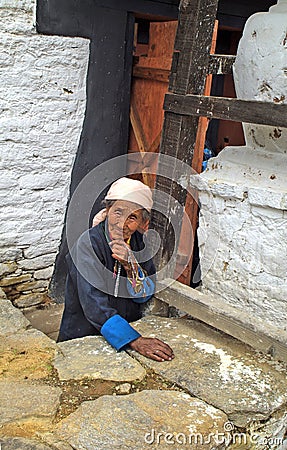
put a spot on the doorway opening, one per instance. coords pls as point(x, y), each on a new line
point(152, 59)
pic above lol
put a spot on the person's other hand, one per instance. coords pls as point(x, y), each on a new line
point(152, 348)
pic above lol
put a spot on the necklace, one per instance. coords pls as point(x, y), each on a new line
point(117, 265)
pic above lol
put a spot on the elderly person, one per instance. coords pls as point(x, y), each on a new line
point(110, 275)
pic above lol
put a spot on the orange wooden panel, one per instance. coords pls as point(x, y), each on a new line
point(147, 94)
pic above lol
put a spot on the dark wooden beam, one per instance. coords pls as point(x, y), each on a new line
point(192, 46)
point(188, 75)
point(243, 8)
point(106, 124)
point(220, 64)
point(78, 17)
point(233, 109)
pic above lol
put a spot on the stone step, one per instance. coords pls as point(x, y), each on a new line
point(91, 357)
point(218, 369)
point(224, 384)
point(145, 420)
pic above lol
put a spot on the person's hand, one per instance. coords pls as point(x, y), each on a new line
point(152, 348)
point(120, 251)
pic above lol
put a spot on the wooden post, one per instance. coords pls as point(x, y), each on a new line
point(191, 204)
point(189, 70)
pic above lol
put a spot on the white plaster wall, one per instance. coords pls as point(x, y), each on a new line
point(243, 252)
point(43, 99)
point(243, 221)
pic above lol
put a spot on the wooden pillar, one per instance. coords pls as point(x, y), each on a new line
point(188, 76)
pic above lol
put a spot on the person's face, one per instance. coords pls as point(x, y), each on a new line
point(124, 218)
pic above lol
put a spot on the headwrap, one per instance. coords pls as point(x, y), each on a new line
point(130, 190)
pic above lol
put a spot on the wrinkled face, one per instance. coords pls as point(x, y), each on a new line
point(124, 218)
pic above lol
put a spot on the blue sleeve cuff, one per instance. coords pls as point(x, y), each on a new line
point(118, 332)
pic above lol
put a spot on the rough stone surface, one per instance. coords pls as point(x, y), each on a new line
point(2, 294)
point(220, 370)
point(272, 434)
point(20, 401)
point(92, 357)
point(27, 300)
point(44, 274)
point(142, 421)
point(22, 444)
point(33, 285)
point(7, 268)
point(25, 11)
point(124, 388)
point(52, 440)
point(11, 281)
point(27, 339)
point(39, 262)
point(11, 319)
point(222, 373)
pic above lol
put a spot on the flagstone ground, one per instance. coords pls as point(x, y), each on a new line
point(83, 395)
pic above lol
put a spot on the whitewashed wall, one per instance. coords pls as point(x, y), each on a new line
point(244, 197)
point(43, 98)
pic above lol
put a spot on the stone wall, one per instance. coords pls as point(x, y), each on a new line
point(43, 87)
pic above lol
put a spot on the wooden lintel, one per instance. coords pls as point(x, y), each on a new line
point(220, 64)
point(250, 111)
point(151, 73)
point(229, 319)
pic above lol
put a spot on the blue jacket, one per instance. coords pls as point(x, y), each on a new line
point(90, 305)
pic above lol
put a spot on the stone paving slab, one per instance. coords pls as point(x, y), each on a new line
point(222, 371)
point(46, 319)
point(26, 355)
point(23, 400)
point(11, 319)
point(53, 441)
point(22, 444)
point(92, 357)
point(27, 339)
point(145, 420)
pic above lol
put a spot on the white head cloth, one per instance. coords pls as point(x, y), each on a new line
point(130, 190)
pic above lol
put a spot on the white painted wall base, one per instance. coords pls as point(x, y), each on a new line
point(43, 92)
point(244, 198)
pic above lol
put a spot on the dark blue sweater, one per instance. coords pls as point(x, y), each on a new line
point(90, 305)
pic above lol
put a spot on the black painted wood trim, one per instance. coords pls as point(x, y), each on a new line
point(78, 17)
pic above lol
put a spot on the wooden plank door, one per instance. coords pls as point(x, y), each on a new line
point(151, 69)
